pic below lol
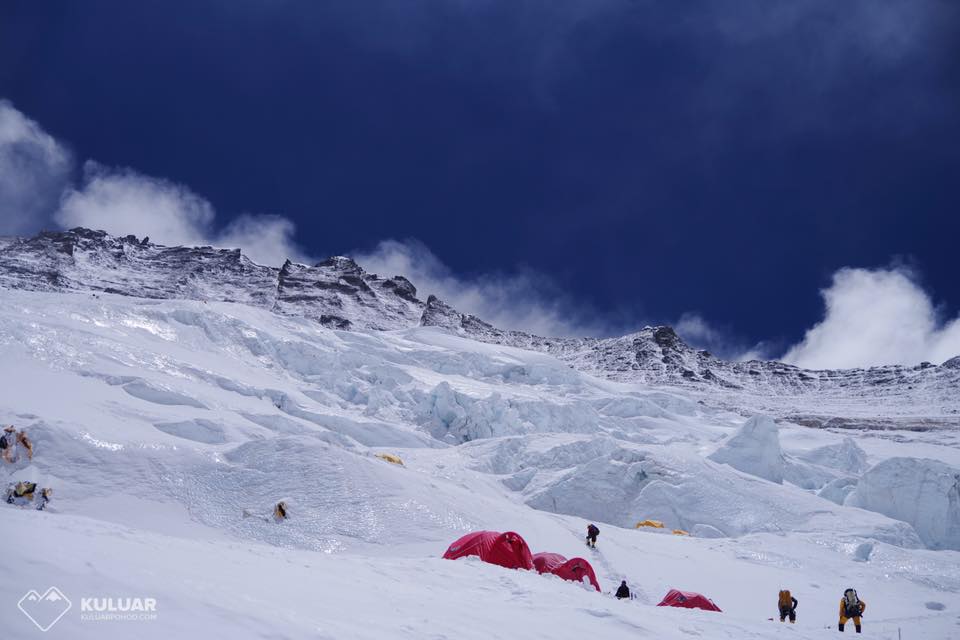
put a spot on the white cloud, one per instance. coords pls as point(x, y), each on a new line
point(34, 169)
point(35, 189)
point(266, 239)
point(698, 332)
point(876, 317)
point(525, 301)
point(872, 317)
point(122, 201)
point(694, 328)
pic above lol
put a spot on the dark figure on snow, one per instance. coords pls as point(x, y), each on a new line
point(11, 441)
point(623, 591)
point(851, 607)
point(788, 606)
point(21, 494)
point(592, 533)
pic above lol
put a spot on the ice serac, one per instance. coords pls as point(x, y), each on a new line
point(838, 490)
point(754, 449)
point(922, 492)
point(602, 479)
point(847, 457)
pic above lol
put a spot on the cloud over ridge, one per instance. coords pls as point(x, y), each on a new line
point(871, 317)
point(875, 317)
point(120, 200)
point(37, 189)
point(34, 169)
point(525, 300)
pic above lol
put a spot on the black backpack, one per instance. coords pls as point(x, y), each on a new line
point(3, 442)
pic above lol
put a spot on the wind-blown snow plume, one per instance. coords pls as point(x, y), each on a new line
point(699, 332)
point(876, 317)
point(123, 201)
point(34, 169)
point(35, 176)
point(525, 300)
point(36, 189)
point(267, 239)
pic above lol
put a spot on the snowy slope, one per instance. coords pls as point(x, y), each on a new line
point(158, 421)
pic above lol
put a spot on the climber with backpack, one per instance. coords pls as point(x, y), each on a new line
point(592, 533)
point(8, 443)
point(22, 493)
point(788, 606)
point(853, 607)
point(11, 441)
point(280, 512)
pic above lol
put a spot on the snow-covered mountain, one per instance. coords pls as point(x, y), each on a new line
point(339, 294)
point(170, 392)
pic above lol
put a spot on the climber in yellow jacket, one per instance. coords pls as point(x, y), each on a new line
point(851, 607)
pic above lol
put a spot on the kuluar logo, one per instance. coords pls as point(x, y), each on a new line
point(44, 610)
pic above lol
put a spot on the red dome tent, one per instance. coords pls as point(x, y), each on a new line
point(687, 599)
point(574, 569)
point(505, 549)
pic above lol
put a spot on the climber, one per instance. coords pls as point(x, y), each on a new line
point(851, 607)
point(8, 443)
point(788, 606)
point(623, 591)
point(592, 533)
point(280, 512)
point(22, 493)
point(24, 442)
point(11, 440)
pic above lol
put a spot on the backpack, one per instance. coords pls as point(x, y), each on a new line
point(786, 600)
point(851, 603)
point(25, 489)
point(593, 530)
point(3, 442)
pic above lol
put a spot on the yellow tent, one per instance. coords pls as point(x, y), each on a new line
point(680, 532)
point(389, 457)
point(656, 524)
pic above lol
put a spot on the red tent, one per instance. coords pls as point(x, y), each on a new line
point(687, 599)
point(574, 569)
point(547, 562)
point(505, 549)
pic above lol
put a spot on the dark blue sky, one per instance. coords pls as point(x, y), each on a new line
point(653, 158)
